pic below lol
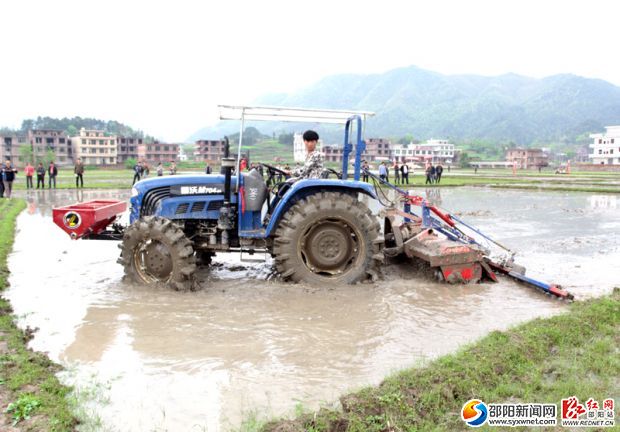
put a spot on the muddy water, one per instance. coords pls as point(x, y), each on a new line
point(245, 345)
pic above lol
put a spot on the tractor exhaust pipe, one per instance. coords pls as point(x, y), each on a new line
point(227, 171)
point(225, 222)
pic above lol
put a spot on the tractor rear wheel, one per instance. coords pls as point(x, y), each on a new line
point(328, 237)
point(154, 250)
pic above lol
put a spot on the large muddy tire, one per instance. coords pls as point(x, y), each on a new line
point(328, 237)
point(156, 251)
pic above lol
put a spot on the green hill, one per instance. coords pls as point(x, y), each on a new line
point(427, 104)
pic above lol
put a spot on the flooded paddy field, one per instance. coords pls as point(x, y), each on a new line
point(245, 345)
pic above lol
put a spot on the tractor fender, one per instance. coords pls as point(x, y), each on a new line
point(306, 187)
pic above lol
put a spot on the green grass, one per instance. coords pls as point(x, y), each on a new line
point(23, 407)
point(25, 376)
point(542, 361)
point(607, 184)
point(107, 178)
point(265, 151)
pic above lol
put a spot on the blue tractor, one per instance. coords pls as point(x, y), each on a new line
point(316, 230)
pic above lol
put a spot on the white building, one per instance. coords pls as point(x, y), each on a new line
point(606, 147)
point(433, 150)
point(299, 148)
point(94, 147)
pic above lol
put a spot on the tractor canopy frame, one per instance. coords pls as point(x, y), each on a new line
point(303, 115)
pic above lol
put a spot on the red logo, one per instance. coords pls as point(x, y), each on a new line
point(571, 408)
point(588, 414)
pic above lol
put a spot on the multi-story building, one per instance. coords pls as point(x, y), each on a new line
point(527, 158)
point(10, 145)
point(40, 142)
point(43, 141)
point(95, 147)
point(156, 152)
point(211, 151)
point(332, 153)
point(403, 153)
point(433, 151)
point(127, 148)
point(606, 147)
point(377, 149)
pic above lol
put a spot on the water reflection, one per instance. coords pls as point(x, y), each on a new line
point(603, 201)
point(42, 201)
point(433, 196)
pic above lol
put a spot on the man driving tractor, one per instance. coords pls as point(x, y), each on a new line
point(313, 166)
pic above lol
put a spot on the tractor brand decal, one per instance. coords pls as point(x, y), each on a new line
point(197, 190)
point(72, 220)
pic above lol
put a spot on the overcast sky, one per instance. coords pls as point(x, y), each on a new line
point(163, 66)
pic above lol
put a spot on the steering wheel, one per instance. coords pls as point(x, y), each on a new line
point(271, 182)
point(327, 171)
point(274, 169)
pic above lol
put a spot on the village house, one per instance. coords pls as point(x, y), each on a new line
point(606, 147)
point(527, 158)
point(94, 147)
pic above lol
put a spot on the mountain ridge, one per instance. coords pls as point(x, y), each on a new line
point(427, 104)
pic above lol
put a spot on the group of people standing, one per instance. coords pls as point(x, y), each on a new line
point(401, 173)
point(141, 170)
point(433, 173)
point(9, 173)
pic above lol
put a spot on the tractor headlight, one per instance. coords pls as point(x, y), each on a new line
point(134, 192)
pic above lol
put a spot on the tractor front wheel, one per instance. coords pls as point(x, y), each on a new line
point(328, 237)
point(154, 250)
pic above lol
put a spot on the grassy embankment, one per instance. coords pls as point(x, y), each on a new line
point(27, 378)
point(542, 361)
point(106, 178)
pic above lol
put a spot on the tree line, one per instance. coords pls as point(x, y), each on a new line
point(72, 125)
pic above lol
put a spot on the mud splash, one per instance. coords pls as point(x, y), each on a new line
point(245, 345)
